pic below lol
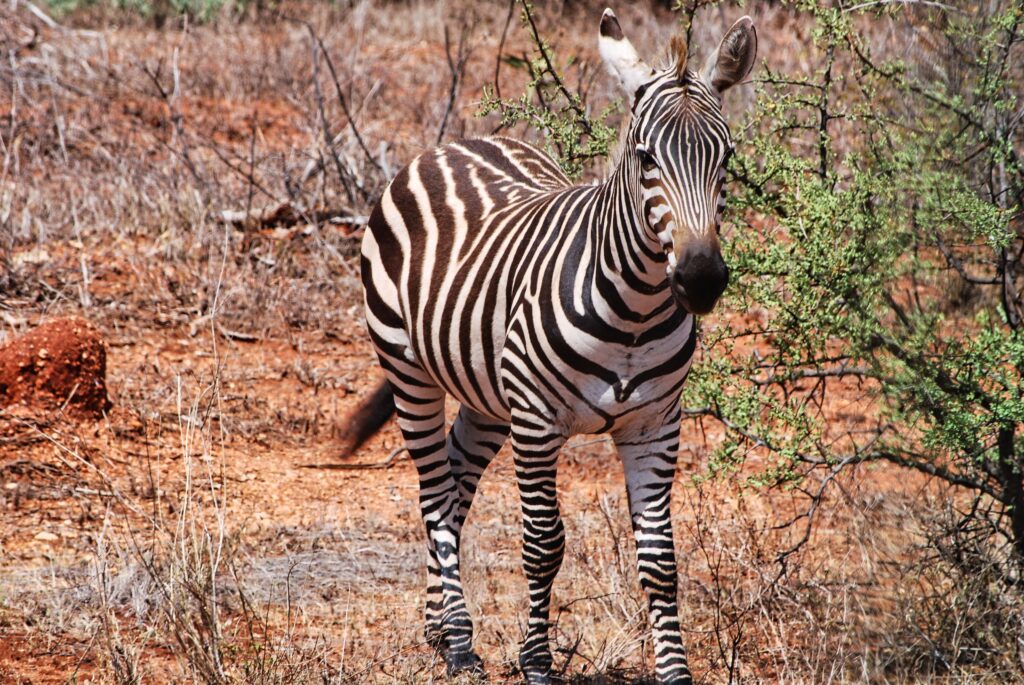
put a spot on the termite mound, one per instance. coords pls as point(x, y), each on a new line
point(61, 364)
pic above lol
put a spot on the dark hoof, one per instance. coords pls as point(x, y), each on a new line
point(538, 671)
point(459, 663)
point(535, 676)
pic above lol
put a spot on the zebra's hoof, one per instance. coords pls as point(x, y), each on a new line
point(536, 676)
point(468, 663)
point(537, 670)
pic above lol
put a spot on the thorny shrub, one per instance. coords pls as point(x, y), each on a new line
point(572, 133)
point(879, 241)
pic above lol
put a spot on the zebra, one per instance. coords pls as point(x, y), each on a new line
point(548, 310)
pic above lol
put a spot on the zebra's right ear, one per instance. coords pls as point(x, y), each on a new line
point(621, 57)
point(734, 58)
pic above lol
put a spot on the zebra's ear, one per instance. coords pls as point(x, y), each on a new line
point(621, 57)
point(734, 58)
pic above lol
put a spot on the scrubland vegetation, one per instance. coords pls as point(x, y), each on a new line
point(193, 177)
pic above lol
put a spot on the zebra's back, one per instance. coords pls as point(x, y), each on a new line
point(446, 257)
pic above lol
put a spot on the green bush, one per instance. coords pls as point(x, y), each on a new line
point(572, 136)
point(883, 240)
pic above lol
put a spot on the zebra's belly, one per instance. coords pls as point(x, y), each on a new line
point(639, 411)
point(634, 402)
point(618, 388)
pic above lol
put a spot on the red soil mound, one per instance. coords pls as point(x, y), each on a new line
point(62, 363)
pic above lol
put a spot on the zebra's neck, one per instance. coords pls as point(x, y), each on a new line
point(628, 261)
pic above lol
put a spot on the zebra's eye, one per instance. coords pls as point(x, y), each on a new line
point(647, 162)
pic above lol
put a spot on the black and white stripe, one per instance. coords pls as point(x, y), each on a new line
point(549, 310)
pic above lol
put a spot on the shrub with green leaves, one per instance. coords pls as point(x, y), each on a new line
point(880, 242)
point(157, 10)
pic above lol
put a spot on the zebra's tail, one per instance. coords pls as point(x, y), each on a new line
point(367, 418)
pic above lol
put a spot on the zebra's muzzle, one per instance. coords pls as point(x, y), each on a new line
point(699, 279)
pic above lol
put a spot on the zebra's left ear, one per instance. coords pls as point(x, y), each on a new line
point(621, 57)
point(734, 58)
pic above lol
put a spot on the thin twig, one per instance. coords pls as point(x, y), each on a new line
point(456, 67)
point(581, 116)
point(324, 125)
point(501, 48)
point(337, 87)
point(41, 15)
point(926, 3)
point(387, 463)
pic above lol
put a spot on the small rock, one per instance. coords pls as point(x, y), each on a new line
point(46, 537)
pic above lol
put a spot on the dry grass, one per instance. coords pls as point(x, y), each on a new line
point(192, 546)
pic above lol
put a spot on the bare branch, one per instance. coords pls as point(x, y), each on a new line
point(333, 466)
point(501, 48)
point(926, 3)
point(457, 68)
point(286, 213)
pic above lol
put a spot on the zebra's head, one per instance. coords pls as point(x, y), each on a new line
point(676, 148)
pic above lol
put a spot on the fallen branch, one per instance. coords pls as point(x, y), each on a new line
point(387, 463)
point(41, 15)
point(237, 335)
point(228, 334)
point(285, 213)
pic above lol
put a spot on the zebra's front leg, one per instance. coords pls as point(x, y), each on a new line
point(448, 625)
point(536, 455)
point(649, 459)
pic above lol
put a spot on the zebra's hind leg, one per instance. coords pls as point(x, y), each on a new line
point(649, 460)
point(536, 454)
point(472, 443)
point(420, 408)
